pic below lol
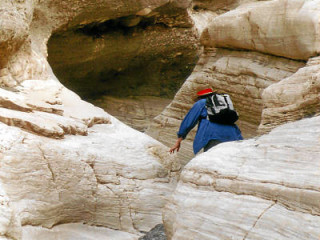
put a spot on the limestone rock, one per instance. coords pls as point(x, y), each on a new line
point(65, 161)
point(261, 188)
point(14, 27)
point(219, 6)
point(128, 55)
point(244, 75)
point(279, 27)
point(114, 177)
point(10, 227)
point(49, 109)
point(136, 112)
point(75, 231)
point(293, 98)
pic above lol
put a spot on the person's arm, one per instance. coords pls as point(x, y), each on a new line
point(189, 122)
point(176, 146)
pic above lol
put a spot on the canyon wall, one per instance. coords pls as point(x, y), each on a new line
point(74, 163)
point(263, 55)
point(262, 188)
point(67, 165)
point(65, 161)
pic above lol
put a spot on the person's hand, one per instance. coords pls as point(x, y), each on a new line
point(176, 146)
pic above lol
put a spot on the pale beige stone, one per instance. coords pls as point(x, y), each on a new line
point(75, 231)
point(101, 172)
point(280, 27)
point(14, 26)
point(10, 227)
point(144, 12)
point(293, 98)
point(49, 109)
point(253, 189)
point(242, 74)
point(12, 100)
point(115, 177)
point(136, 112)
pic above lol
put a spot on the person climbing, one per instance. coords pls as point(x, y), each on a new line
point(209, 133)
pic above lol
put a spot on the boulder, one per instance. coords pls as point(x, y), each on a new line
point(280, 27)
point(263, 188)
point(114, 177)
point(69, 168)
point(293, 98)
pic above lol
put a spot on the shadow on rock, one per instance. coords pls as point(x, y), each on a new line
point(156, 233)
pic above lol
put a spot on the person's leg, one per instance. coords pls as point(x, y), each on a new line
point(211, 144)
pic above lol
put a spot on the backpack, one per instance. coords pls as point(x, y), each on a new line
point(220, 109)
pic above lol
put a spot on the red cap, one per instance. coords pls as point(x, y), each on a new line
point(204, 92)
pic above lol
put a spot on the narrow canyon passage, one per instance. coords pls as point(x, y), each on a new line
point(131, 67)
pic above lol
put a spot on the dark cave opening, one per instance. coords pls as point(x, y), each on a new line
point(126, 58)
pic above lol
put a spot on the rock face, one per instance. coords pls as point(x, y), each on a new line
point(244, 75)
point(293, 98)
point(253, 189)
point(236, 59)
point(150, 59)
point(110, 175)
point(75, 231)
point(281, 31)
point(146, 53)
point(65, 161)
point(10, 226)
point(137, 112)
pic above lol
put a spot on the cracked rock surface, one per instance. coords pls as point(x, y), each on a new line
point(253, 189)
point(263, 53)
point(102, 179)
point(68, 168)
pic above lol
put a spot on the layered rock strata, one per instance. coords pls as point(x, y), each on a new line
point(148, 53)
point(109, 59)
point(75, 231)
point(261, 188)
point(242, 74)
point(257, 46)
point(137, 112)
point(289, 29)
point(63, 159)
point(110, 175)
point(293, 98)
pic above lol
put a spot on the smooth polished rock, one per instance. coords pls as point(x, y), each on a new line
point(49, 109)
point(65, 161)
point(136, 112)
point(262, 188)
point(114, 177)
point(288, 28)
point(293, 98)
point(73, 231)
point(242, 74)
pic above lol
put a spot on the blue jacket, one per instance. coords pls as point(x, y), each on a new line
point(206, 130)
